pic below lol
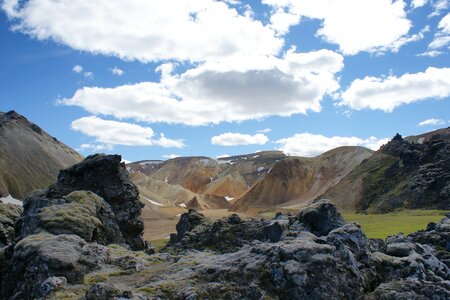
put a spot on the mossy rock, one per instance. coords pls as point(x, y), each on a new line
point(78, 216)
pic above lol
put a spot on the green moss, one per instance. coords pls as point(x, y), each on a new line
point(76, 217)
point(95, 278)
point(159, 244)
point(405, 221)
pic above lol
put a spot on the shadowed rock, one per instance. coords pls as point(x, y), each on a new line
point(107, 177)
point(320, 217)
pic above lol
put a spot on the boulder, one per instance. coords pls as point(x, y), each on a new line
point(81, 212)
point(103, 291)
point(40, 256)
point(320, 217)
point(107, 177)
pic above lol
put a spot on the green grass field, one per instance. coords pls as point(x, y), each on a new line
point(158, 244)
point(405, 221)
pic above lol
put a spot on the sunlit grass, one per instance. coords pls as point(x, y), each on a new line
point(405, 221)
point(158, 244)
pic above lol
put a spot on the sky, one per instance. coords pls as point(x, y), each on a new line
point(155, 79)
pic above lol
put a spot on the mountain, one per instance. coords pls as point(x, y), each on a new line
point(297, 181)
point(29, 157)
point(203, 181)
point(405, 173)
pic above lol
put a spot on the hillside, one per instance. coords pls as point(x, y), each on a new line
point(297, 181)
point(29, 157)
point(406, 173)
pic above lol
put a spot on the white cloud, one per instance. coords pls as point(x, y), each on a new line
point(438, 7)
point(388, 93)
point(265, 130)
point(281, 21)
point(145, 30)
point(431, 53)
point(354, 25)
point(77, 69)
point(117, 71)
point(432, 122)
point(307, 144)
point(237, 139)
point(120, 133)
point(418, 3)
point(442, 37)
point(95, 147)
point(168, 143)
point(171, 156)
point(234, 89)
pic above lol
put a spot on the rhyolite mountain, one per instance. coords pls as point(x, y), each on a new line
point(29, 157)
point(413, 172)
point(82, 239)
point(201, 182)
point(296, 181)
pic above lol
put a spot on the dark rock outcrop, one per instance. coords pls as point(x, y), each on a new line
point(318, 256)
point(107, 177)
point(41, 256)
point(194, 231)
point(320, 217)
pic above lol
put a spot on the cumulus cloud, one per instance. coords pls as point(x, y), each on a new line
point(265, 130)
point(354, 25)
point(117, 71)
point(145, 30)
point(307, 144)
point(432, 122)
point(233, 89)
point(120, 133)
point(238, 139)
point(388, 93)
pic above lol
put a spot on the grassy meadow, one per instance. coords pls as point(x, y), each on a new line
point(405, 221)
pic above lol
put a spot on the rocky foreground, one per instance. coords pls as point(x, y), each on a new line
point(81, 239)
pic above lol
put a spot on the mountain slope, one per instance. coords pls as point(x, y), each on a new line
point(29, 157)
point(297, 181)
point(405, 173)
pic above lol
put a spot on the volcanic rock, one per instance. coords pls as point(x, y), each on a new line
point(9, 214)
point(107, 177)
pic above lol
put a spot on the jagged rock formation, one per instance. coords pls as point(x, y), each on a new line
point(297, 181)
point(312, 255)
point(29, 157)
point(63, 231)
point(402, 174)
point(107, 177)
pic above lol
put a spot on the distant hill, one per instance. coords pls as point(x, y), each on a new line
point(203, 180)
point(297, 181)
point(29, 157)
point(405, 173)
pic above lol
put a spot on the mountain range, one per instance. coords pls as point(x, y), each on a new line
point(411, 172)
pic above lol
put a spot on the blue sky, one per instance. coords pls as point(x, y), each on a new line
point(154, 79)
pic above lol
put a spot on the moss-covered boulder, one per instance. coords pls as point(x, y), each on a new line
point(9, 213)
point(40, 256)
point(82, 213)
point(106, 176)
